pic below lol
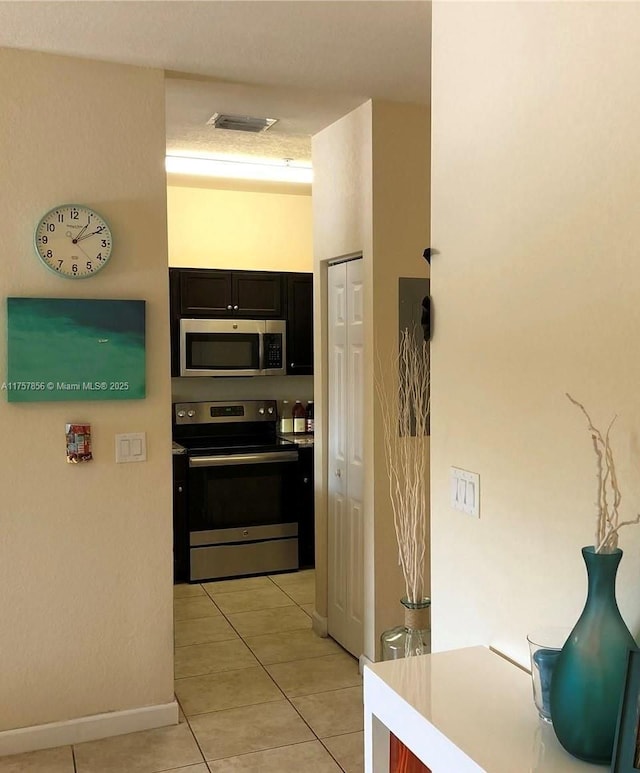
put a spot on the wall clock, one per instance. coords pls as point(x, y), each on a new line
point(73, 241)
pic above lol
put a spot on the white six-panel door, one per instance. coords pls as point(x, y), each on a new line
point(345, 461)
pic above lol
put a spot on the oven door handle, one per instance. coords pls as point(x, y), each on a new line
point(234, 460)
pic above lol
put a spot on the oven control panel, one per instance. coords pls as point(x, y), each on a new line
point(219, 411)
point(225, 412)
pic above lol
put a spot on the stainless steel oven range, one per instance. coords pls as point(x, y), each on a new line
point(241, 489)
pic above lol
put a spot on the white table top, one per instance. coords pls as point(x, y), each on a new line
point(478, 709)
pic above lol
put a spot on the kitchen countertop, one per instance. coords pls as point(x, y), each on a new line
point(177, 449)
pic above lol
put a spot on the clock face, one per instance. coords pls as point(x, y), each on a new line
point(73, 241)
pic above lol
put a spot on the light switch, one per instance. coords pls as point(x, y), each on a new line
point(465, 491)
point(131, 447)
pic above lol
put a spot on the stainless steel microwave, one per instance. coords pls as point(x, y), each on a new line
point(233, 347)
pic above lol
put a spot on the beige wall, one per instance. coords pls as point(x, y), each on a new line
point(400, 234)
point(241, 229)
point(370, 196)
point(86, 567)
point(535, 183)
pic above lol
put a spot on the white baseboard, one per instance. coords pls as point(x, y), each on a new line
point(27, 739)
point(319, 625)
point(363, 661)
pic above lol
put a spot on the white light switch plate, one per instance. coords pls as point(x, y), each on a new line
point(131, 447)
point(465, 491)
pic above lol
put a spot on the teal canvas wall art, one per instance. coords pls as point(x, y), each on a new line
point(75, 349)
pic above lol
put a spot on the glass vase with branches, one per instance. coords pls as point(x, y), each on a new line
point(403, 394)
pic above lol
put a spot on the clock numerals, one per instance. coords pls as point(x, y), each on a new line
point(74, 241)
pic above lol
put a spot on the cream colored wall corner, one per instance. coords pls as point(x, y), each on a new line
point(342, 212)
point(242, 229)
point(536, 286)
point(371, 196)
point(86, 569)
point(401, 171)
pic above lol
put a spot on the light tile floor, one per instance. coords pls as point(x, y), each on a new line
point(259, 692)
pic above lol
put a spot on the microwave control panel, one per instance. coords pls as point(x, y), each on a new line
point(273, 350)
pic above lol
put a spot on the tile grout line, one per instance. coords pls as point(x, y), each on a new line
point(193, 735)
point(330, 753)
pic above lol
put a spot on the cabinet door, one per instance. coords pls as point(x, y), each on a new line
point(174, 319)
point(180, 530)
point(299, 324)
point(206, 293)
point(257, 294)
point(306, 522)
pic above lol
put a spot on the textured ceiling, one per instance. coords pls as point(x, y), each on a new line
point(302, 61)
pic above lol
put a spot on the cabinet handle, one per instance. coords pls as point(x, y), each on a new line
point(305, 480)
point(179, 489)
point(229, 307)
point(292, 364)
point(235, 308)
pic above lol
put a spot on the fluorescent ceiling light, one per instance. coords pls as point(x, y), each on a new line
point(241, 170)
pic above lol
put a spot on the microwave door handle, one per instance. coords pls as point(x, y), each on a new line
point(233, 460)
point(261, 364)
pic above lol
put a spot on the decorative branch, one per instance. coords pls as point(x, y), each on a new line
point(608, 522)
point(405, 406)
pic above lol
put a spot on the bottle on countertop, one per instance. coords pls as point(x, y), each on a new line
point(309, 418)
point(299, 418)
point(286, 419)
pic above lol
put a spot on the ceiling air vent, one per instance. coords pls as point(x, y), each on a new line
point(240, 123)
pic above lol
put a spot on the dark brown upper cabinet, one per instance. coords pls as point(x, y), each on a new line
point(299, 324)
point(212, 293)
point(250, 295)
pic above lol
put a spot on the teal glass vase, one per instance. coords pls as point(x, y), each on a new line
point(589, 674)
